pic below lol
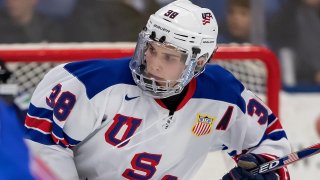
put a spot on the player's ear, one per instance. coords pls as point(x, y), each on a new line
point(204, 59)
point(201, 61)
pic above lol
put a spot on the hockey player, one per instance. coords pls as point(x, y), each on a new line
point(155, 115)
point(15, 160)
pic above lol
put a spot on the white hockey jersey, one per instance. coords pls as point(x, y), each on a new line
point(89, 120)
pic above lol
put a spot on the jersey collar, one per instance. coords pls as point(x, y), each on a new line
point(191, 90)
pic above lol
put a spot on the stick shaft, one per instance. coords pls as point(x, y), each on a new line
point(286, 160)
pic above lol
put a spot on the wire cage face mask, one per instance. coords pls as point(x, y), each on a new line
point(154, 87)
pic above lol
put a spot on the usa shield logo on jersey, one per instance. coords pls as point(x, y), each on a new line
point(203, 125)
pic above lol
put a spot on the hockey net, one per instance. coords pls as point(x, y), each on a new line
point(256, 67)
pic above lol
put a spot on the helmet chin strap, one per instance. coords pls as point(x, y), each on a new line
point(191, 67)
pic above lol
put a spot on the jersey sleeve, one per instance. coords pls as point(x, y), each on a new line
point(256, 130)
point(59, 117)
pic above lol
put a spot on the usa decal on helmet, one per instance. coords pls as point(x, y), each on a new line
point(206, 17)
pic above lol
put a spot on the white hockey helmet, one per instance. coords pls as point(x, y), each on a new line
point(190, 29)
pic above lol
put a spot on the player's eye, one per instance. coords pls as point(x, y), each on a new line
point(152, 50)
point(169, 58)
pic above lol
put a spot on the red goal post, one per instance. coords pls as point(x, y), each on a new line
point(225, 55)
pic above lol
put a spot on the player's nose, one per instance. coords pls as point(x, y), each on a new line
point(155, 64)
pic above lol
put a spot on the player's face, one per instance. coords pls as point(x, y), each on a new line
point(312, 3)
point(18, 9)
point(164, 62)
point(238, 21)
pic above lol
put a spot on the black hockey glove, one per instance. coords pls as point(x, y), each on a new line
point(246, 163)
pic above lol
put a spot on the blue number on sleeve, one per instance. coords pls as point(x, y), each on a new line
point(254, 107)
point(54, 94)
point(64, 105)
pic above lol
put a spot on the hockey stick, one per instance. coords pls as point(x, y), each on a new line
point(286, 160)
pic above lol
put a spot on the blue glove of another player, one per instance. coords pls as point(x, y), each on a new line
point(246, 163)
